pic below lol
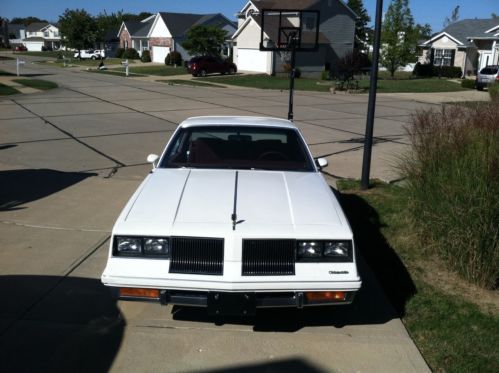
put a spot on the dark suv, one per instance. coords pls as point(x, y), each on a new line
point(487, 76)
point(200, 66)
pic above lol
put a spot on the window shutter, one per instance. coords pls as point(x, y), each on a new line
point(432, 56)
point(453, 56)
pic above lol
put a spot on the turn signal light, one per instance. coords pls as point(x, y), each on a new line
point(325, 295)
point(141, 293)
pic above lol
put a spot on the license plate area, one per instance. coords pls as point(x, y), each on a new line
point(235, 304)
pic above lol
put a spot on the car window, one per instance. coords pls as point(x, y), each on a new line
point(489, 71)
point(238, 148)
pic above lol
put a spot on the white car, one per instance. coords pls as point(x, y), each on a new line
point(235, 215)
point(94, 54)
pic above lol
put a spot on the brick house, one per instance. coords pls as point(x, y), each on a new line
point(134, 34)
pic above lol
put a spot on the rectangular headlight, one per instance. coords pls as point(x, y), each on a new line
point(142, 246)
point(324, 251)
point(128, 245)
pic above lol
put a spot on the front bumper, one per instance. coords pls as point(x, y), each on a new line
point(243, 303)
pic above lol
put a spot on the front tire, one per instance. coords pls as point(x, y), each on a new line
point(202, 73)
point(232, 71)
point(93, 57)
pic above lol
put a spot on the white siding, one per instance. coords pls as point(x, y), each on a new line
point(159, 29)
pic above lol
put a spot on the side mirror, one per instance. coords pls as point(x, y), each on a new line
point(153, 158)
point(321, 163)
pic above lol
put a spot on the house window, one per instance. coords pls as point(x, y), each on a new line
point(46, 34)
point(56, 34)
point(145, 45)
point(442, 57)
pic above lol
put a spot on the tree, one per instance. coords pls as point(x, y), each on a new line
point(26, 21)
point(361, 30)
point(493, 15)
point(454, 17)
point(78, 29)
point(204, 40)
point(399, 36)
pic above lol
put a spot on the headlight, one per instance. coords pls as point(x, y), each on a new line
point(156, 246)
point(141, 246)
point(128, 245)
point(324, 251)
point(310, 249)
point(337, 249)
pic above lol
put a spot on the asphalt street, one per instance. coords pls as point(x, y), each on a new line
point(70, 158)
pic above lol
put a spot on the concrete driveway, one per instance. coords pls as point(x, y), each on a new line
point(71, 158)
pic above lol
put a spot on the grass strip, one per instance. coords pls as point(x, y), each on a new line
point(452, 333)
point(7, 90)
point(190, 83)
point(157, 70)
point(5, 73)
point(37, 83)
point(114, 72)
point(306, 84)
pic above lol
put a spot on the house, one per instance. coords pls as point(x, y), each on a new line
point(134, 34)
point(336, 37)
point(470, 44)
point(41, 36)
point(170, 30)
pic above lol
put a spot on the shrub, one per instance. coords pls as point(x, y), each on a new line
point(130, 54)
point(119, 52)
point(325, 75)
point(146, 56)
point(426, 70)
point(173, 58)
point(352, 63)
point(468, 83)
point(494, 92)
point(453, 188)
point(297, 73)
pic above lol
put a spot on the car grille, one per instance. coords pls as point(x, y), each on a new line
point(201, 256)
point(268, 257)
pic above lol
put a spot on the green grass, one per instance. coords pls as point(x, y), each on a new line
point(453, 334)
point(37, 83)
point(5, 58)
point(189, 82)
point(5, 73)
point(6, 90)
point(384, 86)
point(115, 72)
point(269, 82)
point(157, 70)
point(50, 54)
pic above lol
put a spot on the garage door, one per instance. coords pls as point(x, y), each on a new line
point(35, 46)
point(159, 54)
point(252, 60)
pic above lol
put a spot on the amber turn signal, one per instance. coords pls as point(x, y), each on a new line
point(325, 295)
point(141, 293)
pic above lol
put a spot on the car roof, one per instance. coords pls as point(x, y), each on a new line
point(237, 121)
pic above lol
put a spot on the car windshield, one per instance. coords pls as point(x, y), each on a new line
point(489, 71)
point(238, 148)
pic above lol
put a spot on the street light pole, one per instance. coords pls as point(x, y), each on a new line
point(368, 141)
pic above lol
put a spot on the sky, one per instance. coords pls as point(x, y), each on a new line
point(424, 11)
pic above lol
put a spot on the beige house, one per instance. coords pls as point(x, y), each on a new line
point(470, 44)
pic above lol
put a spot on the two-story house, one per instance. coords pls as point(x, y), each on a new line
point(470, 44)
point(336, 36)
point(42, 36)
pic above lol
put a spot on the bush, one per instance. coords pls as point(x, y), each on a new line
point(453, 188)
point(146, 56)
point(119, 52)
point(130, 54)
point(494, 92)
point(173, 58)
point(427, 70)
point(468, 83)
point(325, 75)
point(352, 63)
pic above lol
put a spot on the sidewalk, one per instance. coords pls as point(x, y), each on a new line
point(9, 80)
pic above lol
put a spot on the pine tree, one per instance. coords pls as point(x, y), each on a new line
point(361, 30)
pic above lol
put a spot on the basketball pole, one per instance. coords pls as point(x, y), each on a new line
point(368, 140)
point(292, 81)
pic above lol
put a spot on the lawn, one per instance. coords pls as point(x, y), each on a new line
point(37, 83)
point(50, 54)
point(160, 70)
point(268, 82)
point(6, 90)
point(453, 332)
point(189, 82)
point(5, 73)
point(384, 86)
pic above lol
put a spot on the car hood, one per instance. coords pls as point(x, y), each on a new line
point(180, 198)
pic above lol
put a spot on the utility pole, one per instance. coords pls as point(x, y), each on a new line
point(368, 141)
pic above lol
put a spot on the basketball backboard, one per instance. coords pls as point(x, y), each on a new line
point(286, 29)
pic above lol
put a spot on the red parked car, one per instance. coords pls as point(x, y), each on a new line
point(20, 48)
point(200, 66)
